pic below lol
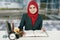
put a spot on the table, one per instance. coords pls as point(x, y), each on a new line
point(53, 35)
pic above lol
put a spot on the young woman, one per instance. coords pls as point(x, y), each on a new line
point(31, 20)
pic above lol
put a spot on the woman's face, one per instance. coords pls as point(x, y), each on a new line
point(32, 9)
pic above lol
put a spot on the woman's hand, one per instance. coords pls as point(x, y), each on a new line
point(16, 30)
point(43, 29)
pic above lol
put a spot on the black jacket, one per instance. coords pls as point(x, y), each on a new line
point(26, 21)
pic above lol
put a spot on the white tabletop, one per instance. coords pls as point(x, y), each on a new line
point(53, 35)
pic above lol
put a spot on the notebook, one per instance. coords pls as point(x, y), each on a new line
point(36, 33)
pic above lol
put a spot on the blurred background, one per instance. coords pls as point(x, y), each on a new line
point(12, 10)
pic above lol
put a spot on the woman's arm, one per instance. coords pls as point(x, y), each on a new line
point(41, 28)
point(22, 23)
point(41, 22)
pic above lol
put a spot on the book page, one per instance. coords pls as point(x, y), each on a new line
point(29, 33)
point(39, 33)
point(36, 33)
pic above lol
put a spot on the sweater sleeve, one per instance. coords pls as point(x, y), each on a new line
point(22, 23)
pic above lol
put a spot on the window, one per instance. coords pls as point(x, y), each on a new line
point(43, 4)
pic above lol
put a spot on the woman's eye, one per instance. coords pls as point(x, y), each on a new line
point(30, 8)
point(33, 7)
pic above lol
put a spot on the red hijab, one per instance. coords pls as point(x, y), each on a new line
point(33, 16)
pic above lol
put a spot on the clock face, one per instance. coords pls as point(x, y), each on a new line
point(12, 36)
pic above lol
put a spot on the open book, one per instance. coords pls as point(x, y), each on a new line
point(36, 33)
